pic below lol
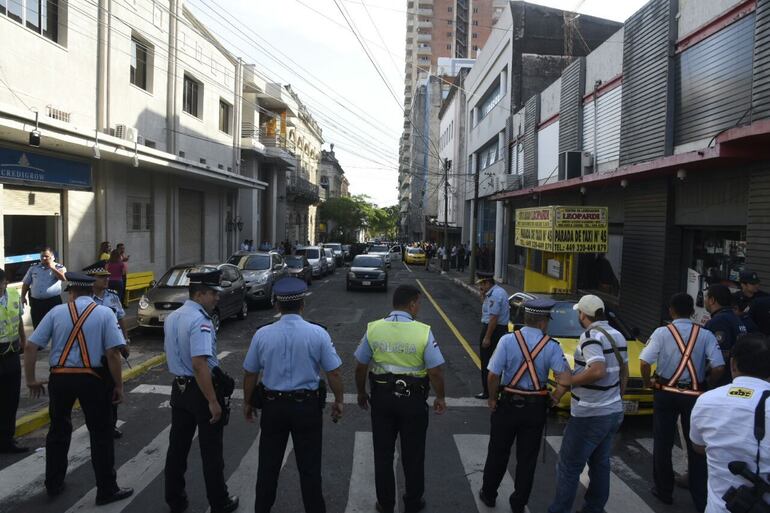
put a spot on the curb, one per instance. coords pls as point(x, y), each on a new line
point(461, 283)
point(33, 421)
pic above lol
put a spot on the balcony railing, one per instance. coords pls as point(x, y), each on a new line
point(303, 190)
point(250, 131)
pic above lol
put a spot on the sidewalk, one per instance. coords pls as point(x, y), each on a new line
point(461, 279)
point(33, 413)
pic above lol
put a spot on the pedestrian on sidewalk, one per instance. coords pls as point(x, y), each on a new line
point(12, 342)
point(282, 377)
point(519, 410)
point(109, 298)
point(682, 352)
point(43, 283)
point(461, 258)
point(405, 361)
point(598, 382)
point(118, 270)
point(79, 372)
point(197, 397)
point(104, 251)
point(495, 314)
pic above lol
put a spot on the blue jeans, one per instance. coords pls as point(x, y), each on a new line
point(586, 440)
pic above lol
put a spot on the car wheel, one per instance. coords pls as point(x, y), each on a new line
point(244, 310)
point(215, 320)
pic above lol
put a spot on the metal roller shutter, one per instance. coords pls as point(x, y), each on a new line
point(190, 226)
point(24, 202)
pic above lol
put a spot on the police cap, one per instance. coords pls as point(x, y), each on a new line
point(97, 269)
point(750, 277)
point(482, 276)
point(539, 307)
point(206, 276)
point(289, 289)
point(75, 279)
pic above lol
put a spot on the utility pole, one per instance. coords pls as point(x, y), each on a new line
point(474, 224)
point(447, 166)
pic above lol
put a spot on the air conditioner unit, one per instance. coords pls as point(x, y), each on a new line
point(570, 164)
point(588, 162)
point(126, 132)
point(513, 182)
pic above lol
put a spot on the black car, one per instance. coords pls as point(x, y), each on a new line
point(299, 267)
point(367, 271)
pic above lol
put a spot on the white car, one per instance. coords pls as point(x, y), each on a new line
point(382, 250)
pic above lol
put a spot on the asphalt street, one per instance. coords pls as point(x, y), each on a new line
point(456, 446)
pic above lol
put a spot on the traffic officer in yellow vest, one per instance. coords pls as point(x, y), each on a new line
point(682, 352)
point(81, 333)
point(12, 341)
point(110, 299)
point(521, 363)
point(404, 358)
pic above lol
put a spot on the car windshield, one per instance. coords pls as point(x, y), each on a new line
point(333, 246)
point(235, 259)
point(378, 249)
point(309, 253)
point(175, 278)
point(564, 322)
point(257, 263)
point(415, 251)
point(367, 261)
point(294, 262)
point(328, 252)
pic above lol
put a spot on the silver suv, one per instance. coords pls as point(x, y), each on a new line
point(260, 270)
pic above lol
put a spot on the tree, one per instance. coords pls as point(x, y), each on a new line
point(345, 214)
point(384, 221)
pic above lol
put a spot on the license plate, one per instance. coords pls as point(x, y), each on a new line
point(162, 317)
point(366, 283)
point(630, 407)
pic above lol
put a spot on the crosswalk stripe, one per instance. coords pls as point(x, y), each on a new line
point(622, 497)
point(360, 494)
point(137, 473)
point(473, 453)
point(243, 481)
point(26, 477)
point(678, 456)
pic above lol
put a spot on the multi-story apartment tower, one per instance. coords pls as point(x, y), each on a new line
point(435, 29)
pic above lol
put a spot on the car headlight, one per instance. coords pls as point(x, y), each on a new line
point(382, 276)
point(143, 303)
point(316, 266)
point(351, 275)
point(259, 280)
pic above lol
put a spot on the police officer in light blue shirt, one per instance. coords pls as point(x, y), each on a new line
point(495, 314)
point(43, 284)
point(518, 376)
point(81, 333)
point(196, 403)
point(679, 381)
point(289, 355)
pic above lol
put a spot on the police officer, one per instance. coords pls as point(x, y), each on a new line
point(681, 352)
point(749, 282)
point(81, 332)
point(521, 363)
point(12, 341)
point(196, 403)
point(724, 324)
point(288, 355)
point(110, 299)
point(43, 283)
point(495, 314)
point(404, 358)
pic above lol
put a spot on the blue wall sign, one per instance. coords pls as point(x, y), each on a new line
point(34, 169)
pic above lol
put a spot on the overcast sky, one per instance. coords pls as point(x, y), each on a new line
point(308, 44)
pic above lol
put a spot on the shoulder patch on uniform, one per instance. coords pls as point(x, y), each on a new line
point(740, 392)
point(720, 335)
point(205, 328)
point(319, 324)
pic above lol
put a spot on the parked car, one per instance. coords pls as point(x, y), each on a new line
point(414, 256)
point(171, 291)
point(339, 253)
point(566, 329)
point(382, 250)
point(367, 271)
point(260, 269)
point(331, 261)
point(298, 267)
point(395, 253)
point(317, 259)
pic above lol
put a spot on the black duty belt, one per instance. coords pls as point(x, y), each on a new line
point(9, 348)
point(399, 385)
point(298, 396)
point(521, 400)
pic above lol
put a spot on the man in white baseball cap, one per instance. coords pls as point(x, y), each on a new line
point(601, 366)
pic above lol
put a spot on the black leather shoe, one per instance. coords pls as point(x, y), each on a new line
point(12, 448)
point(382, 509)
point(54, 491)
point(181, 508)
point(414, 508)
point(662, 498)
point(228, 507)
point(118, 495)
point(482, 395)
point(487, 500)
point(117, 433)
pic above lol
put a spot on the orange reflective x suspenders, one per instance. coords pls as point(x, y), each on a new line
point(528, 366)
point(76, 333)
point(685, 362)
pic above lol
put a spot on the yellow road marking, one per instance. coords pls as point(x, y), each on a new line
point(460, 338)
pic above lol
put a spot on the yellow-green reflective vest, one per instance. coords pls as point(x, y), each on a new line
point(398, 347)
point(9, 316)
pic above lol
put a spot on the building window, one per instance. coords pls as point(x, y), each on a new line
point(448, 34)
point(449, 9)
point(225, 111)
point(449, 22)
point(489, 154)
point(41, 16)
point(475, 48)
point(492, 98)
point(448, 47)
point(140, 58)
point(475, 10)
point(475, 35)
point(139, 215)
point(191, 97)
point(475, 23)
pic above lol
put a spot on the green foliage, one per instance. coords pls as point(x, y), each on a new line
point(346, 216)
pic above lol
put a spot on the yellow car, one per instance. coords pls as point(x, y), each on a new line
point(414, 256)
point(566, 329)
